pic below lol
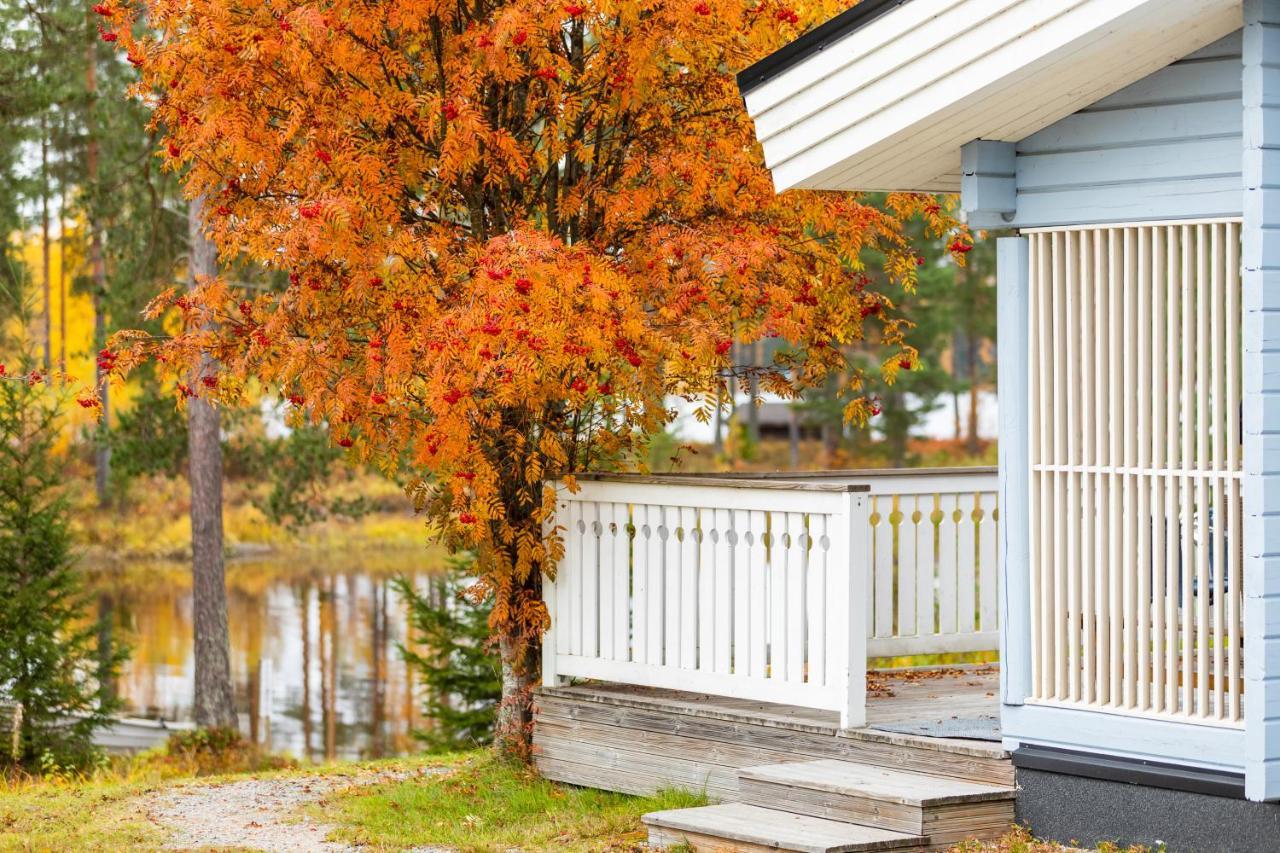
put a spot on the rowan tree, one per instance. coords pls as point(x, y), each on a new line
point(509, 231)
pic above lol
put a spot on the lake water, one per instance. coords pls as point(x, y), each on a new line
point(314, 648)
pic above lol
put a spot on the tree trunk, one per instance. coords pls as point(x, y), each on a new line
point(513, 729)
point(793, 436)
point(102, 450)
point(106, 646)
point(46, 275)
point(520, 654)
point(214, 698)
point(753, 387)
point(304, 595)
point(62, 281)
point(975, 442)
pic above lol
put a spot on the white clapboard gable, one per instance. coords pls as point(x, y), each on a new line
point(889, 105)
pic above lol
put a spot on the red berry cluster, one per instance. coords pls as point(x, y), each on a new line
point(107, 360)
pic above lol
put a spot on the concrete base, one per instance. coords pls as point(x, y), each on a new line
point(1077, 811)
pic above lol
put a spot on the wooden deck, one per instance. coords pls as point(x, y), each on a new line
point(637, 739)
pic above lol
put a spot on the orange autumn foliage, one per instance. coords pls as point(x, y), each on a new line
point(505, 232)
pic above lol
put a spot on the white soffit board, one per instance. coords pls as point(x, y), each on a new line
point(888, 106)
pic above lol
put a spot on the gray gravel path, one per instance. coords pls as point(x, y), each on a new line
point(253, 814)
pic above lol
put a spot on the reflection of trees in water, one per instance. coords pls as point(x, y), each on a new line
point(335, 685)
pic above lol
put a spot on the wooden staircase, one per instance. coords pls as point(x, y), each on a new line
point(835, 806)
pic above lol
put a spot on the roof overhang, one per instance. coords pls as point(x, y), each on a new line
point(883, 96)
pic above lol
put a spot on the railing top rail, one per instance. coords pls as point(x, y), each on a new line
point(794, 484)
point(844, 473)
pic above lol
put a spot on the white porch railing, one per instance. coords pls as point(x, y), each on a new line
point(771, 589)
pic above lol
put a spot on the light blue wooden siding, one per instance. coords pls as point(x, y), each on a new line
point(1260, 236)
point(1166, 147)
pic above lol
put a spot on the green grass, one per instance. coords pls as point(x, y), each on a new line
point(482, 804)
point(89, 816)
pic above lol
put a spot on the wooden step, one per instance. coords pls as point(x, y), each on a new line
point(743, 828)
point(946, 810)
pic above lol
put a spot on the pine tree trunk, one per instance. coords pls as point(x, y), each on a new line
point(974, 442)
point(214, 699)
point(46, 276)
point(102, 450)
point(793, 436)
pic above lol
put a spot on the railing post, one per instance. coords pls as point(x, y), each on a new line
point(550, 678)
point(850, 588)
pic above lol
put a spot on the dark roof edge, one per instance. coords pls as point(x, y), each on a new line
point(814, 41)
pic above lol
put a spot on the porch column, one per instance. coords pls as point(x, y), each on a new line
point(1012, 286)
point(1261, 417)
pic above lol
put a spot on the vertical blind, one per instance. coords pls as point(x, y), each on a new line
point(1135, 452)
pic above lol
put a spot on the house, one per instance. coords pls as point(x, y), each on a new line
point(1124, 560)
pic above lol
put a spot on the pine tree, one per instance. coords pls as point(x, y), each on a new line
point(50, 670)
point(456, 660)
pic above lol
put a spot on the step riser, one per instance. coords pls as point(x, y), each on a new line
point(738, 826)
point(953, 823)
point(943, 823)
point(825, 804)
point(661, 839)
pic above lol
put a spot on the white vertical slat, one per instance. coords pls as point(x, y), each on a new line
point(1160, 250)
point(1115, 484)
point(795, 560)
point(1233, 438)
point(1186, 494)
point(724, 592)
point(1172, 486)
point(926, 539)
point(657, 588)
point(706, 589)
point(742, 568)
point(671, 585)
point(1102, 481)
point(816, 592)
point(620, 543)
point(1142, 455)
point(1061, 393)
point(1036, 457)
point(571, 611)
point(966, 565)
point(882, 506)
point(908, 566)
point(1071, 456)
point(1088, 458)
point(947, 542)
point(689, 601)
point(988, 568)
point(1217, 451)
point(607, 569)
point(777, 598)
point(759, 578)
point(590, 579)
point(1203, 638)
point(1129, 513)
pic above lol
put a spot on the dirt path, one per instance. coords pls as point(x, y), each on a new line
point(253, 814)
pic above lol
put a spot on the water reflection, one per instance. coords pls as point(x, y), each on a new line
point(314, 649)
